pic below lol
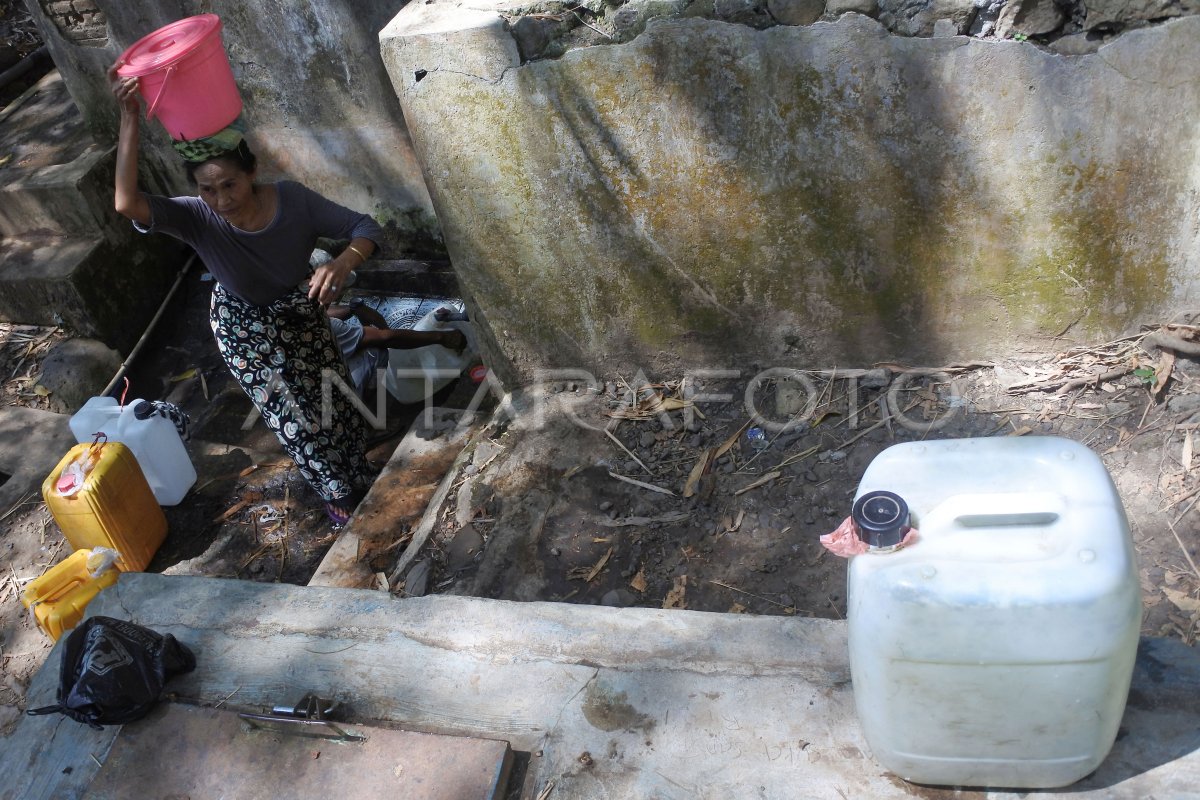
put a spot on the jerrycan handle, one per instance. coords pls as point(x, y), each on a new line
point(162, 87)
point(1009, 510)
point(999, 510)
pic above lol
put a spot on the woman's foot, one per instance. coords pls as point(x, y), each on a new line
point(338, 512)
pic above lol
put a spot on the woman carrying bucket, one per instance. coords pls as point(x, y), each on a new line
point(256, 238)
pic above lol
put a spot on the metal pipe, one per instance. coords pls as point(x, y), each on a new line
point(149, 328)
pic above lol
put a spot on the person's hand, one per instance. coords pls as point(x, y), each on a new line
point(125, 90)
point(329, 279)
point(455, 340)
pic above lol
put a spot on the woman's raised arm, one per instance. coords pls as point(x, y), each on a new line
point(129, 200)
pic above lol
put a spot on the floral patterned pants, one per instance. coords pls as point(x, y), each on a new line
point(279, 355)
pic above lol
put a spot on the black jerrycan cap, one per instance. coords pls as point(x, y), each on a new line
point(880, 518)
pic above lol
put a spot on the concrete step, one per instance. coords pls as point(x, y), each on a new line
point(53, 177)
point(610, 703)
point(214, 753)
point(86, 284)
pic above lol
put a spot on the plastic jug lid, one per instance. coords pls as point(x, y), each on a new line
point(881, 518)
point(167, 45)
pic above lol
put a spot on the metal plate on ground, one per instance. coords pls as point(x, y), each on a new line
point(189, 752)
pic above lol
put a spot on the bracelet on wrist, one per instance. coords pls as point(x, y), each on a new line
point(357, 252)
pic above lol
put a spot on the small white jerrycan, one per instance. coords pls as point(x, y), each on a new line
point(996, 648)
point(416, 374)
point(98, 415)
point(159, 451)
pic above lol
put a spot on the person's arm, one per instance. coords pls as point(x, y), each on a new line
point(128, 199)
point(407, 340)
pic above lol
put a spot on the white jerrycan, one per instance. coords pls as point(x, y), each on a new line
point(159, 451)
point(415, 375)
point(997, 648)
point(98, 415)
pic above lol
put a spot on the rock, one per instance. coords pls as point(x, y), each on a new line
point(1117, 14)
point(630, 19)
point(463, 549)
point(532, 37)
point(1184, 403)
point(945, 28)
point(745, 12)
point(796, 12)
point(484, 452)
point(416, 583)
point(646, 440)
point(75, 370)
point(810, 476)
point(1038, 17)
point(875, 379)
point(727, 467)
point(839, 7)
point(618, 598)
point(605, 506)
point(1077, 44)
point(917, 19)
point(695, 441)
point(694, 425)
point(669, 423)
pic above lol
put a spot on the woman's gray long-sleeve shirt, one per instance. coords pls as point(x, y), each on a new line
point(260, 266)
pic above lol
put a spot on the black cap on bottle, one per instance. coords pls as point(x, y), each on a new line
point(880, 518)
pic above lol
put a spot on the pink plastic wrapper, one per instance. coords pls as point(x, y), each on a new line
point(844, 540)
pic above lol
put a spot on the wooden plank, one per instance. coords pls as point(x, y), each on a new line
point(397, 500)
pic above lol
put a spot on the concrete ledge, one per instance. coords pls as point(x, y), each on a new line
point(667, 704)
point(86, 284)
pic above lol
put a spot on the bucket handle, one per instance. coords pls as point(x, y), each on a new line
point(162, 87)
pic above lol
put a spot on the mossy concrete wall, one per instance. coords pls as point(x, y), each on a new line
point(318, 104)
point(713, 195)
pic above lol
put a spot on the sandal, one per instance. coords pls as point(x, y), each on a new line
point(337, 514)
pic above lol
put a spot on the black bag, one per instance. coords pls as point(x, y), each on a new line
point(113, 671)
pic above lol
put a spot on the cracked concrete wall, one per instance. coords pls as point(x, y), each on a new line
point(317, 100)
point(713, 195)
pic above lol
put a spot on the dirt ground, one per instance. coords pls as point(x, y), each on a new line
point(542, 514)
point(539, 513)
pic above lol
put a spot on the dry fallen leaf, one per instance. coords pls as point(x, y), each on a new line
point(1162, 371)
point(638, 583)
point(689, 488)
point(599, 566)
point(41, 391)
point(737, 608)
point(770, 476)
point(675, 597)
point(1187, 452)
point(183, 376)
point(1182, 600)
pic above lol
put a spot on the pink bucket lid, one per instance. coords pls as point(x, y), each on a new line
point(167, 45)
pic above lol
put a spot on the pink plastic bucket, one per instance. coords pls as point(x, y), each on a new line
point(185, 77)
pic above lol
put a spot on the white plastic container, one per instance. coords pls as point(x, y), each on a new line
point(98, 415)
point(414, 375)
point(159, 451)
point(997, 649)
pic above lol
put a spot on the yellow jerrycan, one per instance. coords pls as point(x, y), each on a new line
point(100, 498)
